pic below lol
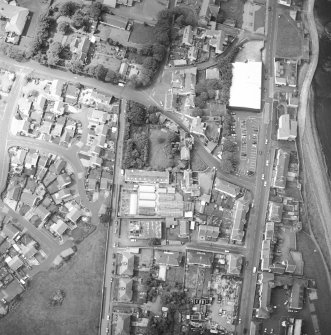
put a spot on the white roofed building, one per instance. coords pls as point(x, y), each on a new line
point(245, 90)
point(287, 128)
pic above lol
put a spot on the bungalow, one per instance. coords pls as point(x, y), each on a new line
point(202, 259)
point(42, 212)
point(80, 46)
point(63, 180)
point(16, 16)
point(59, 228)
point(29, 250)
point(59, 165)
point(72, 94)
point(12, 290)
point(57, 89)
point(125, 264)
point(124, 290)
point(74, 215)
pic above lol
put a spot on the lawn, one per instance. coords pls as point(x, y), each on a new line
point(157, 156)
point(289, 38)
point(81, 280)
point(141, 34)
point(259, 20)
point(196, 163)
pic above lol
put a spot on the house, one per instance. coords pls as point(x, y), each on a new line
point(297, 295)
point(275, 211)
point(184, 229)
point(28, 251)
point(124, 291)
point(202, 259)
point(59, 165)
point(187, 36)
point(16, 16)
point(281, 169)
point(226, 188)
point(167, 258)
point(239, 219)
point(80, 46)
point(28, 198)
point(56, 89)
point(11, 291)
point(10, 231)
point(187, 185)
point(71, 94)
point(234, 264)
point(266, 255)
point(74, 215)
point(59, 228)
point(24, 106)
point(287, 128)
point(42, 212)
point(266, 283)
point(198, 127)
point(125, 264)
point(121, 323)
point(14, 263)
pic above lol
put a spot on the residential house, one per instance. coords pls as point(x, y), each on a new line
point(16, 16)
point(240, 209)
point(125, 264)
point(15, 263)
point(80, 46)
point(59, 228)
point(124, 290)
point(204, 13)
point(187, 36)
point(10, 231)
point(208, 233)
point(198, 127)
point(234, 264)
point(202, 259)
point(121, 323)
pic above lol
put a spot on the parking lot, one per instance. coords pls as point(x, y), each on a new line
point(246, 133)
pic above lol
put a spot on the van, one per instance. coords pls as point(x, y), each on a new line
point(254, 269)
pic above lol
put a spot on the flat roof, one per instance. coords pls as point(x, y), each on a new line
point(245, 90)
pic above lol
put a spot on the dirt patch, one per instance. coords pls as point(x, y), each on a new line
point(80, 279)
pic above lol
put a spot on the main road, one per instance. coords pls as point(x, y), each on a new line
point(257, 219)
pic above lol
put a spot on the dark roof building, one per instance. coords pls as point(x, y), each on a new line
point(281, 169)
point(125, 264)
point(144, 176)
point(203, 259)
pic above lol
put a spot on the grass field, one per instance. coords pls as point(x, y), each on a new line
point(196, 163)
point(289, 38)
point(157, 156)
point(141, 34)
point(81, 280)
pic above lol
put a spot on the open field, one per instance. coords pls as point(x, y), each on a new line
point(141, 34)
point(158, 159)
point(233, 9)
point(289, 38)
point(81, 280)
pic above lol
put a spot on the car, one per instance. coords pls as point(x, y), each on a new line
point(121, 84)
point(267, 163)
point(227, 251)
point(107, 330)
point(111, 280)
point(108, 317)
point(133, 239)
point(239, 321)
point(254, 269)
point(266, 141)
point(262, 176)
point(265, 184)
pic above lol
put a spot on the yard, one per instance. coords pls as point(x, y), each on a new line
point(159, 159)
point(145, 11)
point(107, 61)
point(141, 34)
point(289, 38)
point(233, 9)
point(81, 280)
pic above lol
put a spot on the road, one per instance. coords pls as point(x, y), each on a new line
point(256, 222)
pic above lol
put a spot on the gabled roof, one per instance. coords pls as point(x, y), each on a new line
point(199, 258)
point(124, 289)
point(169, 258)
point(17, 17)
point(125, 264)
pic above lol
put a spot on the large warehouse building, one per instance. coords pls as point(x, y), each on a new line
point(245, 92)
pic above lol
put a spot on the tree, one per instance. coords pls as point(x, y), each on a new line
point(53, 53)
point(199, 102)
point(153, 118)
point(159, 52)
point(68, 8)
point(112, 77)
point(220, 17)
point(64, 28)
point(95, 10)
point(75, 66)
point(100, 72)
point(79, 20)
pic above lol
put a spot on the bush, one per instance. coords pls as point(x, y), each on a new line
point(64, 28)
